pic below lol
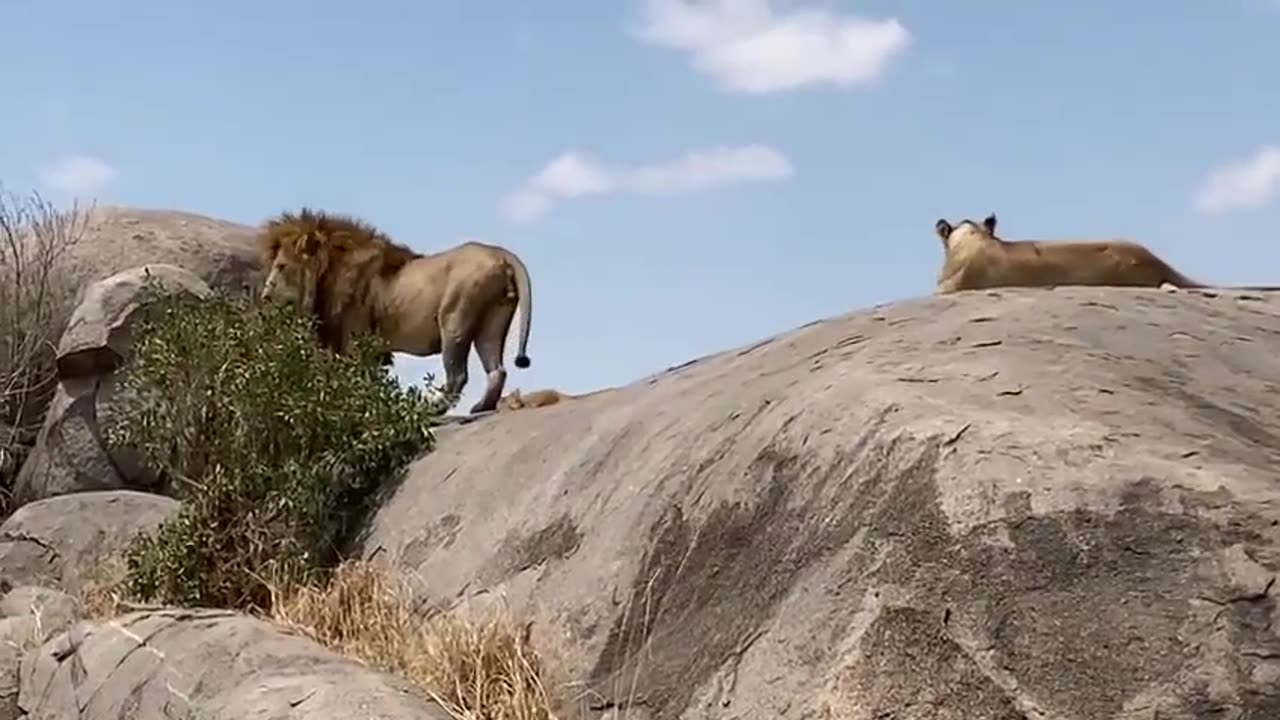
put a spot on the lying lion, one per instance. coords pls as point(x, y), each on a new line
point(976, 258)
point(354, 280)
point(515, 400)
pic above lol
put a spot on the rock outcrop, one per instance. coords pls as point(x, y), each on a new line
point(70, 454)
point(221, 254)
point(163, 663)
point(29, 615)
point(1015, 504)
point(60, 541)
point(205, 664)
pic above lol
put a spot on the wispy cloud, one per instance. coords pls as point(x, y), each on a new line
point(573, 175)
point(747, 47)
point(1241, 184)
point(76, 174)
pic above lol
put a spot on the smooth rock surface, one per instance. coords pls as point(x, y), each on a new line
point(29, 615)
point(58, 542)
point(220, 253)
point(70, 454)
point(99, 336)
point(204, 665)
point(1054, 504)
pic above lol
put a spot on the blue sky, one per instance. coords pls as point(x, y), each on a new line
point(680, 177)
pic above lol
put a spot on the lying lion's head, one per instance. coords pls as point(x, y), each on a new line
point(511, 401)
point(965, 230)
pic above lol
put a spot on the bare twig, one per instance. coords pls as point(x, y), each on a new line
point(35, 237)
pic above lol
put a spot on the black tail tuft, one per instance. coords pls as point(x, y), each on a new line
point(522, 361)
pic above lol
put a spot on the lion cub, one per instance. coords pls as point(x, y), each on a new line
point(515, 400)
point(976, 258)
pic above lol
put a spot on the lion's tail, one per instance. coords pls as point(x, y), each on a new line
point(524, 302)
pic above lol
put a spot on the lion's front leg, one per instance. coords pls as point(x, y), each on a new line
point(948, 285)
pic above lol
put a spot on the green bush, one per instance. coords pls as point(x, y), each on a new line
point(275, 445)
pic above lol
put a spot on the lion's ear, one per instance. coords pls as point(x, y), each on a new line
point(989, 222)
point(943, 228)
point(309, 245)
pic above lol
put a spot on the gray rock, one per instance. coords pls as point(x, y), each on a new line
point(1016, 504)
point(54, 607)
point(99, 336)
point(30, 615)
point(15, 446)
point(129, 465)
point(57, 542)
point(11, 458)
point(206, 664)
point(18, 636)
point(69, 453)
point(222, 254)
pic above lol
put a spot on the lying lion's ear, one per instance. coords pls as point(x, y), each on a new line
point(989, 222)
point(943, 228)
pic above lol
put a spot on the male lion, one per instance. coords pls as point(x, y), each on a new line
point(976, 258)
point(353, 279)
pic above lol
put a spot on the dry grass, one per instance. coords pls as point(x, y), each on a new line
point(35, 239)
point(100, 595)
point(477, 669)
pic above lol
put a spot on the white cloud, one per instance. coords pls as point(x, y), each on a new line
point(77, 174)
point(572, 175)
point(748, 47)
point(1241, 184)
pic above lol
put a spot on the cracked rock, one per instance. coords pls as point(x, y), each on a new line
point(1008, 505)
point(90, 312)
point(57, 542)
point(207, 664)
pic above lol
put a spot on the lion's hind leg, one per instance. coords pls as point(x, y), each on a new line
point(455, 351)
point(491, 342)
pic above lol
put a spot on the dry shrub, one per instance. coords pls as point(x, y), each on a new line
point(277, 447)
point(35, 238)
point(477, 669)
point(101, 594)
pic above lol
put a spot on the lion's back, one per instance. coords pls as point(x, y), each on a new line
point(470, 261)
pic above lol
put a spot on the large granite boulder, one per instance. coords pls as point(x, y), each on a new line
point(70, 454)
point(59, 542)
point(206, 664)
point(221, 254)
point(1016, 504)
point(29, 616)
point(100, 333)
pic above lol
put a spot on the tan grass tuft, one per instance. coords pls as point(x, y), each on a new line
point(477, 669)
point(100, 595)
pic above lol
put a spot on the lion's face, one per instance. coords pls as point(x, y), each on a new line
point(289, 280)
point(511, 401)
point(965, 231)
